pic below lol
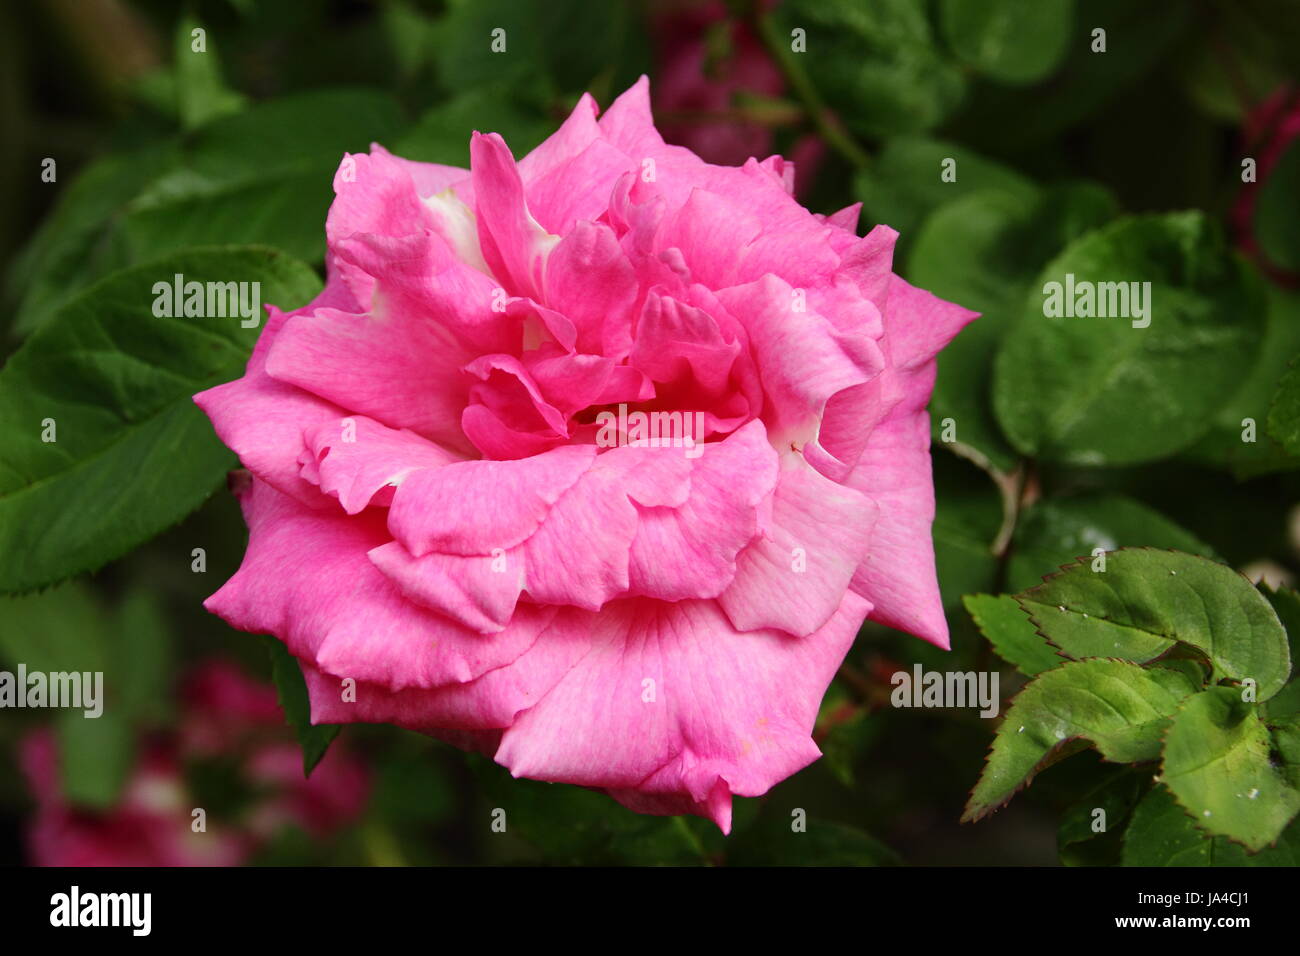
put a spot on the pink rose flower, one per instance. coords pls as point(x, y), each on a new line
point(447, 509)
point(225, 715)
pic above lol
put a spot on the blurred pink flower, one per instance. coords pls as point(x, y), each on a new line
point(224, 715)
point(697, 90)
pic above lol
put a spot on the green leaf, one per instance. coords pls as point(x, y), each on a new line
point(1087, 837)
point(263, 176)
point(904, 183)
point(1099, 391)
point(132, 454)
point(774, 842)
point(1276, 225)
point(1247, 415)
point(877, 65)
point(1057, 531)
point(95, 756)
point(141, 660)
point(442, 134)
point(201, 93)
point(61, 629)
point(1120, 708)
point(1287, 605)
point(571, 825)
point(1012, 41)
point(314, 739)
point(1162, 833)
point(1217, 764)
point(1145, 600)
point(72, 242)
point(1284, 415)
point(1012, 634)
point(982, 250)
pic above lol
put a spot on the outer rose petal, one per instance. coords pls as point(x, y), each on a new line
point(261, 419)
point(793, 577)
point(489, 702)
point(307, 579)
point(360, 461)
point(898, 576)
point(729, 707)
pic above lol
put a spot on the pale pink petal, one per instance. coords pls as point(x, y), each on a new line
point(360, 461)
point(793, 577)
point(672, 700)
point(307, 578)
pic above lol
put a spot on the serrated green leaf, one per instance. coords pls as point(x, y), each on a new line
point(1216, 763)
point(1161, 833)
point(1099, 391)
point(1145, 600)
point(1012, 41)
point(1120, 708)
point(1057, 531)
point(314, 739)
point(132, 454)
point(1002, 620)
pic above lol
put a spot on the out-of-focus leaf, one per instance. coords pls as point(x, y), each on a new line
point(1240, 437)
point(1284, 415)
point(95, 756)
point(132, 453)
point(442, 134)
point(61, 629)
point(1120, 708)
point(982, 250)
point(878, 64)
point(1145, 600)
point(72, 242)
point(573, 825)
point(314, 739)
point(1012, 634)
point(904, 183)
point(1286, 603)
point(773, 841)
point(1091, 830)
point(202, 95)
point(1094, 390)
point(141, 665)
point(1056, 531)
point(1217, 764)
point(1012, 41)
point(1277, 227)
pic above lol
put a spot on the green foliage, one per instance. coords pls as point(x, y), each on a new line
point(1094, 390)
point(1013, 41)
point(1173, 659)
point(105, 446)
point(315, 739)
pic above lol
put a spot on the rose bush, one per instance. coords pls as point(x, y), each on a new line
point(437, 536)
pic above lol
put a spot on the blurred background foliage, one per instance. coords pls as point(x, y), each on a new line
point(1125, 163)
